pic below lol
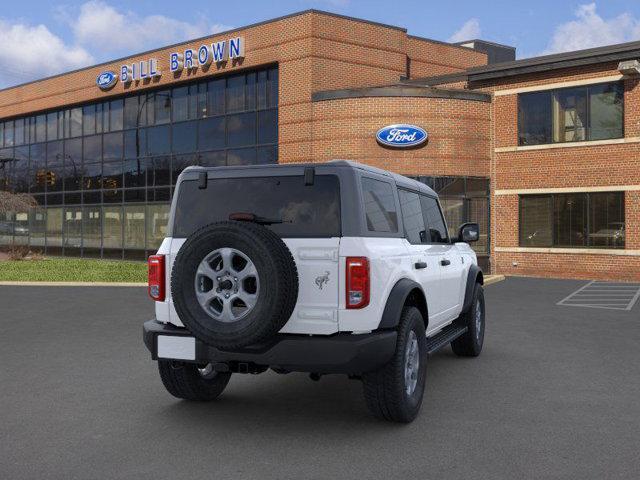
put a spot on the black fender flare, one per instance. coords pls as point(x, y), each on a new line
point(474, 276)
point(397, 299)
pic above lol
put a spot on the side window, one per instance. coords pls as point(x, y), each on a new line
point(412, 217)
point(433, 220)
point(379, 206)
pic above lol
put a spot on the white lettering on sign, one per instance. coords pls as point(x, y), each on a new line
point(401, 135)
point(139, 71)
point(217, 52)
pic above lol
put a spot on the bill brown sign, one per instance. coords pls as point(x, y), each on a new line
point(189, 59)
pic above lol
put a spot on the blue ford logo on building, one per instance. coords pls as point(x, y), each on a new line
point(401, 136)
point(106, 80)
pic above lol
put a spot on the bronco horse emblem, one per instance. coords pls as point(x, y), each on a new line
point(322, 279)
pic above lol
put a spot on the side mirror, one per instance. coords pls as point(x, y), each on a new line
point(469, 232)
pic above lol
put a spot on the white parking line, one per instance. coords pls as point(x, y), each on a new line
point(612, 296)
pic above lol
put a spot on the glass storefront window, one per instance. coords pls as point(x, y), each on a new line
point(157, 219)
point(576, 114)
point(583, 220)
point(112, 227)
point(37, 226)
point(92, 227)
point(134, 227)
point(184, 136)
point(72, 228)
point(96, 168)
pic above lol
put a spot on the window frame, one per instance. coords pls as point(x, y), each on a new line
point(404, 227)
point(552, 93)
point(398, 233)
point(444, 220)
point(588, 196)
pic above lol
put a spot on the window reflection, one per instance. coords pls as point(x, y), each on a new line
point(112, 157)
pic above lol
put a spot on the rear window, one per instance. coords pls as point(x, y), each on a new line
point(305, 210)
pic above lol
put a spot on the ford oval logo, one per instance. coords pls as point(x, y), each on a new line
point(401, 136)
point(106, 80)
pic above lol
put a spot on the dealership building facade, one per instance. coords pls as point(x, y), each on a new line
point(543, 153)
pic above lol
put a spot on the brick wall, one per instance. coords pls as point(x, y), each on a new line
point(458, 131)
point(565, 167)
point(430, 58)
point(314, 51)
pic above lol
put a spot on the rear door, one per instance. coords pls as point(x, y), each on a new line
point(449, 262)
point(424, 262)
point(307, 218)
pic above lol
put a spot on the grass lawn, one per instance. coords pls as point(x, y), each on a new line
point(72, 270)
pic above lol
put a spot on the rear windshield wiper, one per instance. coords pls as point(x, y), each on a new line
point(252, 217)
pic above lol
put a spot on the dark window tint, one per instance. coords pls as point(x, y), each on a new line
point(606, 220)
point(241, 156)
point(593, 112)
point(412, 218)
point(215, 97)
point(235, 93)
point(241, 129)
point(158, 140)
point(570, 219)
point(306, 211)
point(606, 106)
point(379, 206)
point(112, 146)
point(594, 220)
point(536, 217)
point(211, 133)
point(131, 112)
point(115, 115)
point(534, 118)
point(434, 222)
point(267, 126)
point(570, 115)
point(184, 137)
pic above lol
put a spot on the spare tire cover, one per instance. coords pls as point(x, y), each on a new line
point(234, 284)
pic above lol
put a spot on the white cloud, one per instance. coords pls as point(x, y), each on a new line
point(98, 32)
point(28, 52)
point(104, 29)
point(591, 30)
point(469, 31)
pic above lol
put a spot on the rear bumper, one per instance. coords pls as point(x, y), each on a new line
point(339, 353)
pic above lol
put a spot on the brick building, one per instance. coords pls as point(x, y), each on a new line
point(540, 152)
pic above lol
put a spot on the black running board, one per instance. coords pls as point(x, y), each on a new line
point(444, 337)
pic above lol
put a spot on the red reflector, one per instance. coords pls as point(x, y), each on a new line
point(156, 277)
point(357, 281)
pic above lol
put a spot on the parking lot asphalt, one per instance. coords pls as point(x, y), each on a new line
point(555, 394)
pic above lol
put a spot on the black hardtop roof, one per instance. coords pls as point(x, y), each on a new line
point(400, 180)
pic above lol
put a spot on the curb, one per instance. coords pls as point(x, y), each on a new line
point(73, 284)
point(490, 279)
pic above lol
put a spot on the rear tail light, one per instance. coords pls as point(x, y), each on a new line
point(357, 276)
point(156, 277)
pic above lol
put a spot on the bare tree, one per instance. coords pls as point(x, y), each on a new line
point(16, 202)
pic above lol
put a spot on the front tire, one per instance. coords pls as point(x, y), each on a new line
point(395, 392)
point(470, 344)
point(190, 382)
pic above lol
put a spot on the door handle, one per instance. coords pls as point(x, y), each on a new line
point(444, 262)
point(420, 265)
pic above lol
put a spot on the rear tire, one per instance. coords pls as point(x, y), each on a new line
point(388, 391)
point(187, 381)
point(470, 344)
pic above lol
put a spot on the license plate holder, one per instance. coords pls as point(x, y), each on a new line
point(176, 347)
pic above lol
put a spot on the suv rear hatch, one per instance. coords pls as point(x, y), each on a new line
point(305, 213)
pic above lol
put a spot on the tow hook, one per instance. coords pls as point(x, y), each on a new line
point(315, 376)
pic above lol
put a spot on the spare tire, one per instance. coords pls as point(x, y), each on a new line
point(234, 284)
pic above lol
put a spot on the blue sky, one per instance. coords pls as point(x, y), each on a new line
point(42, 37)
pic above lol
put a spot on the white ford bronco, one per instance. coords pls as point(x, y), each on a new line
point(320, 268)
